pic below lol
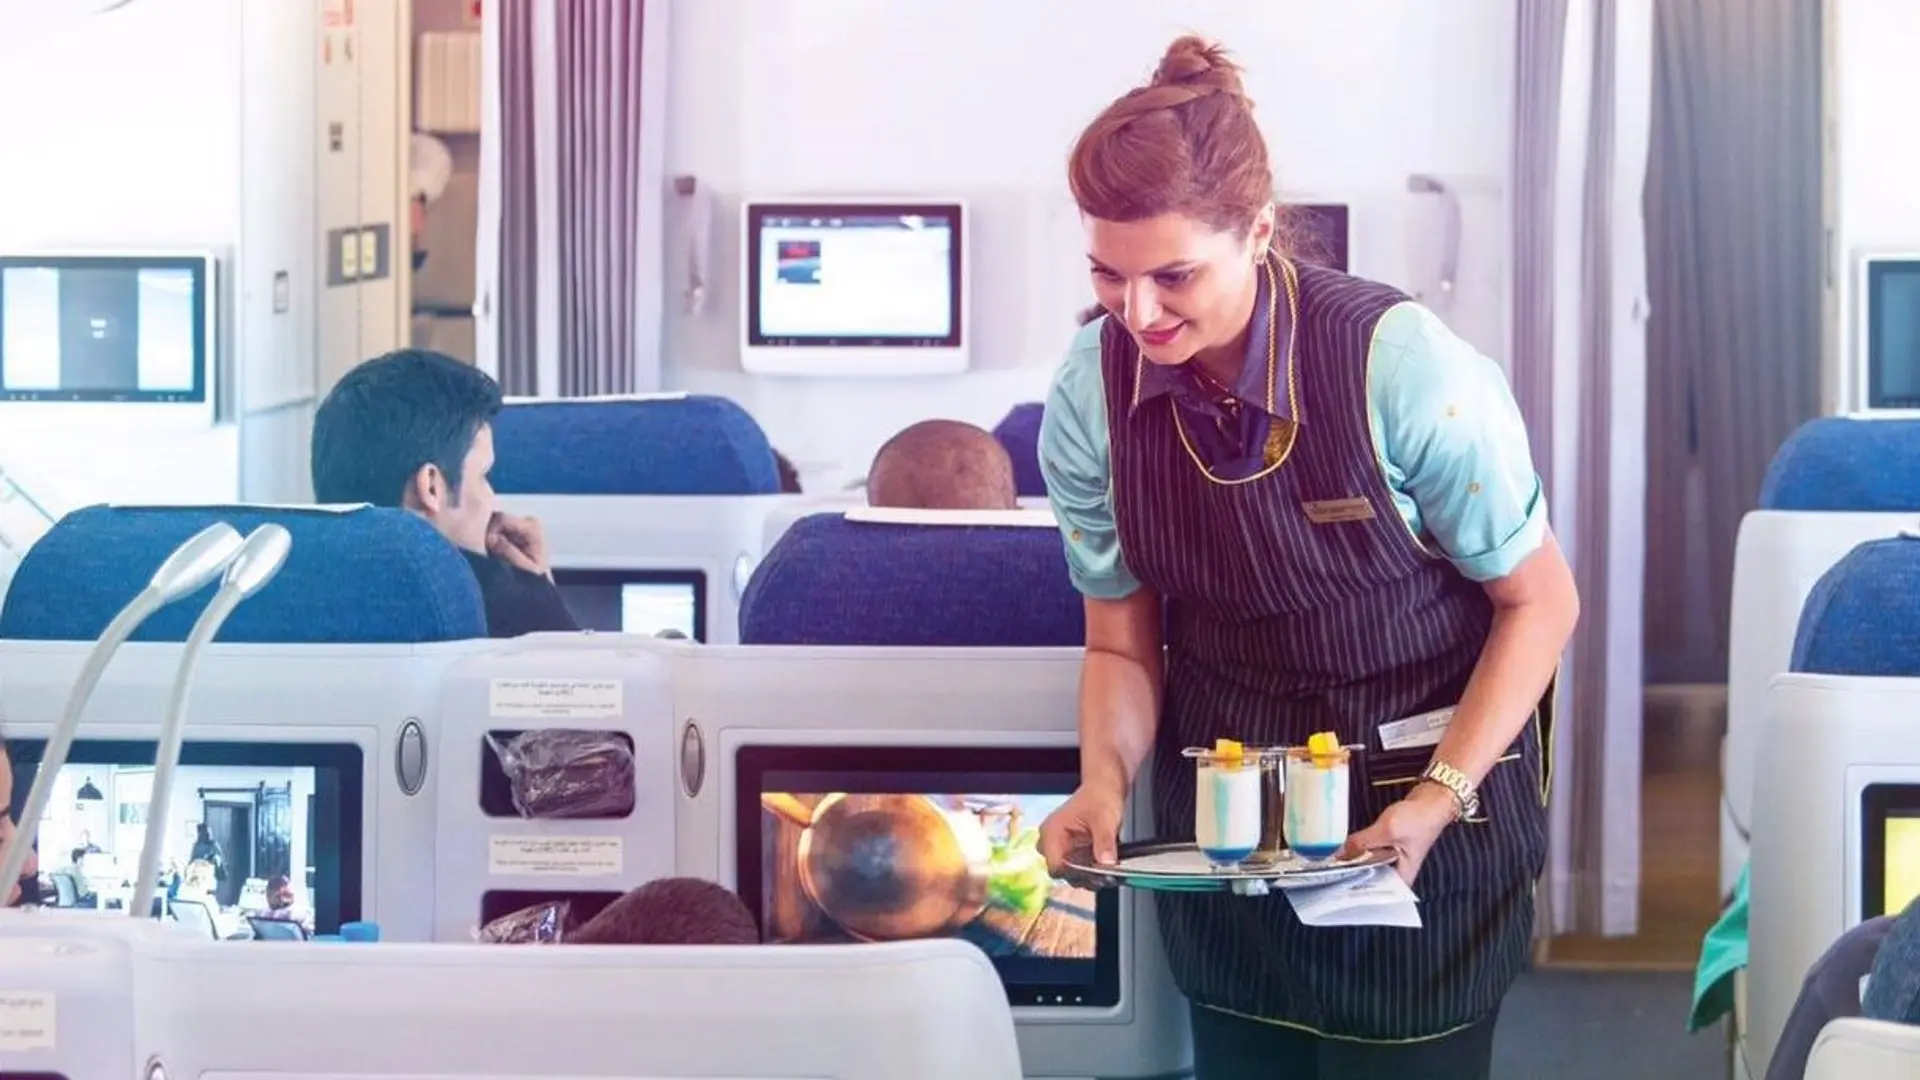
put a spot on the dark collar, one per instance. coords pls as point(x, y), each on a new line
point(1264, 376)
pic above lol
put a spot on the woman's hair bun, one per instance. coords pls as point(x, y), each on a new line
point(1199, 65)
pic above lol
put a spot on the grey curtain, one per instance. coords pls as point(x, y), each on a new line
point(1578, 373)
point(597, 70)
point(516, 304)
point(1733, 208)
point(1591, 699)
point(1542, 36)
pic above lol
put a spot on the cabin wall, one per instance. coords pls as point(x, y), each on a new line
point(1874, 153)
point(150, 125)
point(262, 132)
point(982, 100)
point(119, 130)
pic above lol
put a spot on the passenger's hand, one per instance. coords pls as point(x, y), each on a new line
point(519, 541)
point(1409, 827)
point(1090, 818)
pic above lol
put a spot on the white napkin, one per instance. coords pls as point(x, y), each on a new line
point(1375, 898)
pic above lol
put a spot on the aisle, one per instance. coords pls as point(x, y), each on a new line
point(1604, 1025)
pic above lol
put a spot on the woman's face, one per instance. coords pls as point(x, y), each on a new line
point(1179, 285)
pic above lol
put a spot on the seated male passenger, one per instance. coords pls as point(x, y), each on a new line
point(1885, 950)
point(283, 906)
point(415, 429)
point(942, 465)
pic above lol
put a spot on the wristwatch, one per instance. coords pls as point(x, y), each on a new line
point(1465, 795)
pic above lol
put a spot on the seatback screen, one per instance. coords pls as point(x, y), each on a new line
point(854, 276)
point(845, 844)
point(104, 329)
point(266, 832)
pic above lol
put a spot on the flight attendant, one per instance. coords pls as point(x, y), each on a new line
point(1295, 502)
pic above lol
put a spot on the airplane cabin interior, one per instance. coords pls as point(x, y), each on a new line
point(1093, 541)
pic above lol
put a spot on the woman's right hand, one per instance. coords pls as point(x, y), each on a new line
point(1090, 818)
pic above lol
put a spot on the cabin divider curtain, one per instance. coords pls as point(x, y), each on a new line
point(514, 297)
point(1582, 110)
point(1734, 217)
point(582, 87)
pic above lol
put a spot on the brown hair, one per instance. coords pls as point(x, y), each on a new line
point(1184, 143)
point(942, 465)
point(672, 911)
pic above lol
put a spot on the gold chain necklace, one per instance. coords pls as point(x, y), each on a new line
point(1215, 385)
point(1280, 433)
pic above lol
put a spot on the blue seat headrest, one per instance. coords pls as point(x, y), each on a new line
point(1863, 615)
point(830, 581)
point(1019, 432)
point(363, 576)
point(1840, 464)
point(693, 445)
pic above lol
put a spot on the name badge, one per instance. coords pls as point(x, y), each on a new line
point(1335, 511)
point(1414, 732)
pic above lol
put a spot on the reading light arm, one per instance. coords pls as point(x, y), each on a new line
point(191, 566)
point(260, 558)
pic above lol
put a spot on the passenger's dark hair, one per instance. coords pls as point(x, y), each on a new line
point(789, 476)
point(390, 416)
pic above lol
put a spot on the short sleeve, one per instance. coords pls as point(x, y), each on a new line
point(1455, 444)
point(1073, 458)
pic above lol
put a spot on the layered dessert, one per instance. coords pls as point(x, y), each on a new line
point(1316, 801)
point(1226, 805)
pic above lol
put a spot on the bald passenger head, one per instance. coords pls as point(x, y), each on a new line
point(942, 465)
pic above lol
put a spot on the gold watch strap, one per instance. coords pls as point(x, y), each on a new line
point(1464, 793)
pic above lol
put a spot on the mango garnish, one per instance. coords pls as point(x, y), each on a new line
point(1325, 748)
point(1228, 753)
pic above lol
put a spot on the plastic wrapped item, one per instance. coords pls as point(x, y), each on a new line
point(560, 773)
point(544, 923)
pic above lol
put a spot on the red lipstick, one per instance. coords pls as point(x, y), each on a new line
point(1157, 338)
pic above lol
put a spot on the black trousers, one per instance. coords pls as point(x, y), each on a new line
point(1229, 1047)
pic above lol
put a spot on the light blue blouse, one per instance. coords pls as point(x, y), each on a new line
point(1443, 420)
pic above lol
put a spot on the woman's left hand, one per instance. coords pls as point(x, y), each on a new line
point(1408, 827)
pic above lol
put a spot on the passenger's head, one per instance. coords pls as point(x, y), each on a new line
point(789, 476)
point(1176, 194)
point(412, 429)
point(199, 877)
point(200, 833)
point(1088, 314)
point(279, 892)
point(672, 911)
point(942, 465)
